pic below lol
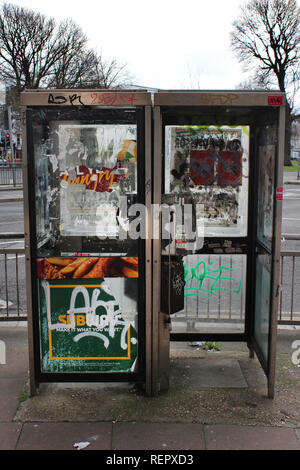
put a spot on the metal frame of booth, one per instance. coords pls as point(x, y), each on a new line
point(214, 107)
point(89, 104)
point(155, 109)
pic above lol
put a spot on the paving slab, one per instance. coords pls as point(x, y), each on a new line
point(9, 434)
point(10, 392)
point(216, 372)
point(65, 436)
point(157, 436)
point(222, 437)
point(16, 363)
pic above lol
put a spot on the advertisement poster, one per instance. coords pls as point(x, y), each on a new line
point(212, 164)
point(88, 323)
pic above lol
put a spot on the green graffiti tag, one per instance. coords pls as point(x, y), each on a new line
point(201, 272)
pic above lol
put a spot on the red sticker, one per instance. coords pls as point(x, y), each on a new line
point(279, 194)
point(275, 100)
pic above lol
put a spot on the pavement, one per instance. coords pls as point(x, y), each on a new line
point(217, 400)
point(291, 177)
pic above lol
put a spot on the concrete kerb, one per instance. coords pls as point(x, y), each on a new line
point(15, 193)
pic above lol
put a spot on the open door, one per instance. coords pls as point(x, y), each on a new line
point(269, 164)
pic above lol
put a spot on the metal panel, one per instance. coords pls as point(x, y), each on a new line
point(107, 98)
point(32, 382)
point(148, 249)
point(156, 249)
point(276, 254)
point(219, 98)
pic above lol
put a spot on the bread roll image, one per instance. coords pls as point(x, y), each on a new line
point(132, 260)
point(71, 267)
point(60, 261)
point(128, 272)
point(84, 268)
point(51, 272)
point(89, 267)
point(100, 269)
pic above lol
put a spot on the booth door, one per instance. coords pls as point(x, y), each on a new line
point(266, 249)
point(86, 169)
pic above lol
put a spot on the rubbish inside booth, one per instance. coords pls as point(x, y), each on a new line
point(149, 218)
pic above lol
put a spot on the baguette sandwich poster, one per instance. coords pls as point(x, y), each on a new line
point(88, 314)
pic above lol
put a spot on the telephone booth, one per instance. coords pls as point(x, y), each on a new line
point(220, 155)
point(149, 218)
point(87, 162)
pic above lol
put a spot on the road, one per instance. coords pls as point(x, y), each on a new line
point(12, 213)
point(291, 215)
point(12, 217)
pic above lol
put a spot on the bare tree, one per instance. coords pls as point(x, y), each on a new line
point(31, 45)
point(111, 73)
point(266, 37)
point(73, 70)
point(36, 52)
point(88, 70)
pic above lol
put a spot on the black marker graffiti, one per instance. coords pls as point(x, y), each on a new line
point(63, 99)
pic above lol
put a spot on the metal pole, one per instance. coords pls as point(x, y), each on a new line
point(11, 146)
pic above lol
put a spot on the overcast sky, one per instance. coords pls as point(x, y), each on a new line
point(165, 43)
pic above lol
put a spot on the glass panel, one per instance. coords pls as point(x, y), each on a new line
point(82, 171)
point(43, 222)
point(262, 301)
point(267, 149)
point(266, 169)
point(97, 164)
point(214, 295)
point(88, 271)
point(211, 163)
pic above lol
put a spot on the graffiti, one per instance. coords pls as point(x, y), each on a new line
point(101, 324)
point(178, 284)
point(104, 99)
point(296, 354)
point(148, 186)
point(113, 99)
point(109, 321)
point(218, 99)
point(202, 272)
point(63, 99)
point(200, 139)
